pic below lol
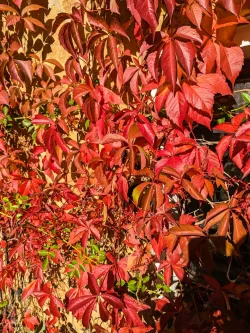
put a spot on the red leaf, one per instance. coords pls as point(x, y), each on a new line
point(109, 96)
point(199, 97)
point(239, 233)
point(61, 143)
point(112, 50)
point(41, 119)
point(32, 21)
point(76, 234)
point(223, 145)
point(189, 187)
point(76, 36)
point(81, 90)
point(147, 131)
point(123, 187)
point(33, 286)
point(98, 22)
point(186, 54)
point(26, 67)
point(176, 107)
point(31, 8)
point(87, 314)
point(111, 138)
point(49, 72)
point(61, 17)
point(216, 210)
point(220, 213)
point(179, 272)
point(128, 73)
point(116, 26)
point(8, 9)
point(4, 97)
point(231, 6)
point(226, 127)
point(168, 63)
point(215, 83)
point(113, 300)
point(168, 272)
point(104, 314)
point(132, 303)
point(77, 303)
point(186, 230)
point(12, 19)
point(187, 32)
point(152, 64)
point(208, 55)
point(147, 11)
point(18, 3)
point(93, 285)
point(14, 71)
point(114, 7)
point(232, 59)
point(138, 191)
point(30, 321)
point(53, 307)
point(194, 13)
point(170, 4)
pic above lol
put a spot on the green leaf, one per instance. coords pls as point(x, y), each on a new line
point(26, 123)
point(92, 256)
point(71, 274)
point(77, 273)
point(95, 248)
point(87, 122)
point(5, 109)
point(167, 289)
point(221, 120)
point(132, 282)
point(132, 285)
point(70, 266)
point(43, 253)
point(45, 263)
point(122, 283)
point(146, 279)
point(245, 97)
point(3, 304)
point(82, 268)
point(160, 276)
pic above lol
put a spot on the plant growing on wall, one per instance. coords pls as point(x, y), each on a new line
point(114, 167)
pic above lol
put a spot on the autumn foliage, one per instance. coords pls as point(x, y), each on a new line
point(125, 172)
